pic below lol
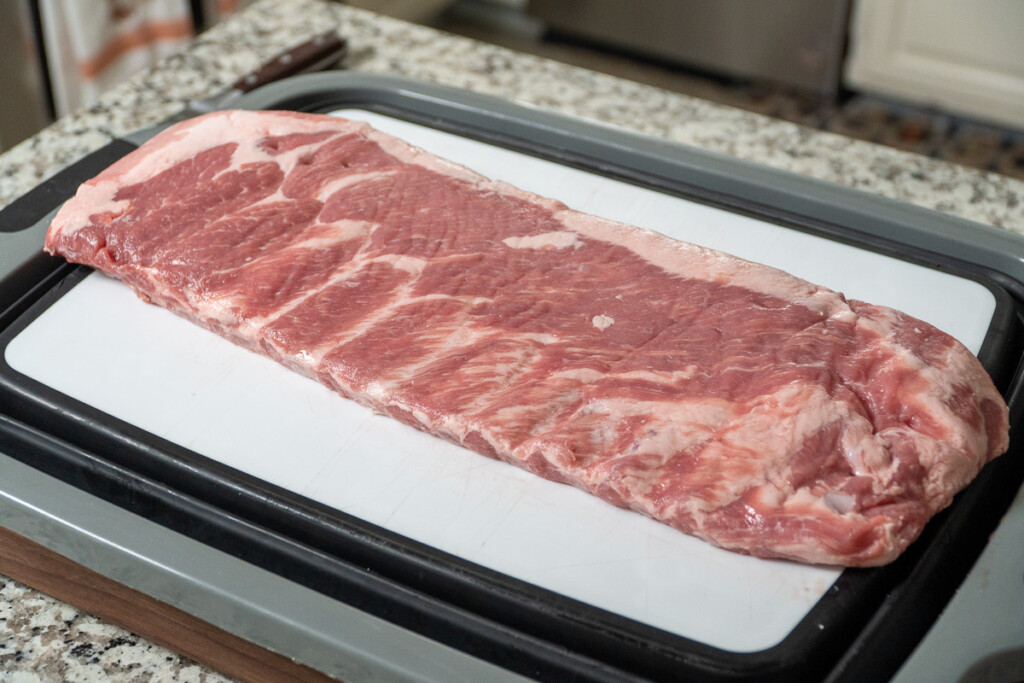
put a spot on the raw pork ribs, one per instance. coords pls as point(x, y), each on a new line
point(728, 399)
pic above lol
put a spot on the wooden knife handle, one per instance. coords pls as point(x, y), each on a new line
point(317, 52)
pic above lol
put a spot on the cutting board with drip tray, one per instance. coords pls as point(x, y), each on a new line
point(168, 423)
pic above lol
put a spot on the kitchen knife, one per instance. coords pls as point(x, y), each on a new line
point(319, 52)
point(316, 54)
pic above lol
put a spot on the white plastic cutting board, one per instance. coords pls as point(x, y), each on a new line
point(101, 345)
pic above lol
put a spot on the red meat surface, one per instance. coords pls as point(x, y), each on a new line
point(728, 399)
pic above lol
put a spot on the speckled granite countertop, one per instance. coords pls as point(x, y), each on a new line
point(42, 639)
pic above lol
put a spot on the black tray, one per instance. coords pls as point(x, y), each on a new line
point(518, 626)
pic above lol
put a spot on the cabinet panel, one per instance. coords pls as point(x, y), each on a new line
point(966, 58)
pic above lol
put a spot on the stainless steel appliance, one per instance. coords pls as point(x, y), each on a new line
point(794, 42)
point(27, 106)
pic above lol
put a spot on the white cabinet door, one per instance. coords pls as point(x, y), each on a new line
point(964, 57)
